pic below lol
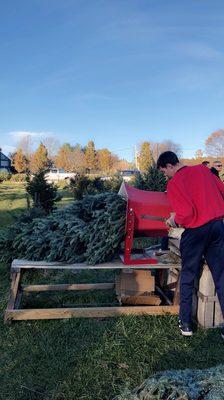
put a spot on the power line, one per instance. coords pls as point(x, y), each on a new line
point(128, 148)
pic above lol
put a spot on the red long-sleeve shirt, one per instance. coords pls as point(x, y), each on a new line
point(196, 196)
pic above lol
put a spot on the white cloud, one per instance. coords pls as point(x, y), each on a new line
point(17, 135)
point(7, 149)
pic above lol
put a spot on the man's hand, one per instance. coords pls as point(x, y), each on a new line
point(170, 222)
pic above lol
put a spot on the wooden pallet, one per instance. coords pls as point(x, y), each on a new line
point(209, 312)
point(19, 267)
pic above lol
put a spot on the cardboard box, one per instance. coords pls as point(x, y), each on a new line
point(134, 282)
point(136, 287)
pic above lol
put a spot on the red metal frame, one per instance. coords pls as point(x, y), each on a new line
point(128, 244)
point(139, 203)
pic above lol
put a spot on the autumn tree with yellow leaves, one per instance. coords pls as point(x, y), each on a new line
point(91, 156)
point(20, 162)
point(39, 159)
point(145, 158)
point(71, 159)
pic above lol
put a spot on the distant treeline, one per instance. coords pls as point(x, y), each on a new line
point(88, 159)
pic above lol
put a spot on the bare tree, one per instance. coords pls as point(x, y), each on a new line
point(77, 160)
point(26, 145)
point(166, 145)
point(52, 146)
point(214, 145)
point(199, 154)
point(70, 159)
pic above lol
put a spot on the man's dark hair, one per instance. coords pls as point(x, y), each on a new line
point(205, 163)
point(214, 171)
point(168, 157)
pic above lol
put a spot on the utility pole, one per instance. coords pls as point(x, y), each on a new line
point(136, 158)
point(157, 151)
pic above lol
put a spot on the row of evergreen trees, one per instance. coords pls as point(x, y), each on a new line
point(44, 195)
point(70, 158)
point(86, 159)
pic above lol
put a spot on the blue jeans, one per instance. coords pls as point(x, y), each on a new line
point(206, 241)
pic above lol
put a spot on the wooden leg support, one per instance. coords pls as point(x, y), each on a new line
point(14, 296)
point(91, 312)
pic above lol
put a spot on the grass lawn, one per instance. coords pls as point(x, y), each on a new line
point(87, 359)
point(13, 201)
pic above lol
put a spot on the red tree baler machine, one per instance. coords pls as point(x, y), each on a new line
point(145, 217)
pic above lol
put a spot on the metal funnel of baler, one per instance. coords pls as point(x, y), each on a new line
point(145, 216)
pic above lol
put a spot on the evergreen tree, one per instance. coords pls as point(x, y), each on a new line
point(81, 185)
point(152, 180)
point(90, 156)
point(139, 182)
point(145, 157)
point(89, 230)
point(43, 194)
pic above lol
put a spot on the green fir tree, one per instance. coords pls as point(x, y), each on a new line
point(43, 194)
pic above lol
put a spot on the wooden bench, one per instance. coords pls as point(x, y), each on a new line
point(19, 267)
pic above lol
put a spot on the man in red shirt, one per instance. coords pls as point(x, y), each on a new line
point(197, 198)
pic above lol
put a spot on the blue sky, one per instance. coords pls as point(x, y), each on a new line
point(115, 71)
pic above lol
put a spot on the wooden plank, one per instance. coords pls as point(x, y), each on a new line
point(88, 312)
point(14, 296)
point(218, 317)
point(205, 312)
point(14, 290)
point(67, 304)
point(16, 263)
point(25, 264)
point(18, 299)
point(66, 286)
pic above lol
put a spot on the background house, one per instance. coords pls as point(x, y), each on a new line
point(5, 162)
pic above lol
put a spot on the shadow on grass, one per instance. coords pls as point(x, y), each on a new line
point(12, 196)
point(9, 216)
point(204, 350)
